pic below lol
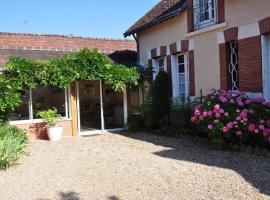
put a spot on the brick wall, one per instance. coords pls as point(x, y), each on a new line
point(250, 64)
point(38, 130)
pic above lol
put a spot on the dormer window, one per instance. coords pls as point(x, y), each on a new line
point(205, 13)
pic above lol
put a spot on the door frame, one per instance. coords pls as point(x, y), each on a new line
point(103, 130)
point(266, 66)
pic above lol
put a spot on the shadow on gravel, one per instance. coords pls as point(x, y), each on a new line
point(69, 196)
point(254, 169)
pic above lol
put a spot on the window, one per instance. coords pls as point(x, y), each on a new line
point(22, 112)
point(159, 65)
point(182, 78)
point(233, 66)
point(205, 13)
point(35, 100)
point(45, 98)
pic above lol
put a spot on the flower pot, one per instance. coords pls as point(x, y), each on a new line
point(55, 133)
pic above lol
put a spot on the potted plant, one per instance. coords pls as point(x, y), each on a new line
point(50, 117)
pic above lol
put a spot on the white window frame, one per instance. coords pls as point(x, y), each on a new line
point(198, 24)
point(175, 78)
point(31, 119)
point(266, 66)
point(156, 67)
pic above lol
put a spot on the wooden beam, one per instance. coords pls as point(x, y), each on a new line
point(74, 110)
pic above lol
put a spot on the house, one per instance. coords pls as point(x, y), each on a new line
point(88, 106)
point(203, 44)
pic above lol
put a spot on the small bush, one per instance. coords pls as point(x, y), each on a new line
point(13, 143)
point(145, 109)
point(49, 116)
point(233, 118)
point(161, 100)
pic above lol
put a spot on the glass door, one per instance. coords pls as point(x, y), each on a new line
point(113, 106)
point(90, 118)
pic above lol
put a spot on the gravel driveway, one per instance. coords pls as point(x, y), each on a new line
point(138, 166)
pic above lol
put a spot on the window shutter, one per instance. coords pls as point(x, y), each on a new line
point(191, 73)
point(221, 11)
point(190, 16)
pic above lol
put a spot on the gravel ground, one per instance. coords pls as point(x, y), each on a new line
point(138, 166)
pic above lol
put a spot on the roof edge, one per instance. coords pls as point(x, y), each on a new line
point(157, 21)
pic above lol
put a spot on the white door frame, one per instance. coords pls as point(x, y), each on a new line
point(266, 66)
point(103, 130)
point(175, 75)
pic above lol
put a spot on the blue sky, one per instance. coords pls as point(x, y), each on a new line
point(88, 18)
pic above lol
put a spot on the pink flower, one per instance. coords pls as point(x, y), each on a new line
point(193, 119)
point(226, 114)
point(245, 120)
point(232, 101)
point(262, 121)
point(218, 115)
point(201, 118)
point(249, 101)
point(205, 114)
point(240, 103)
point(210, 113)
point(210, 126)
point(221, 111)
point(268, 122)
point(197, 113)
point(261, 127)
point(265, 134)
point(238, 111)
point(239, 133)
point(213, 91)
point(251, 128)
point(243, 115)
point(225, 130)
point(230, 125)
point(260, 100)
point(217, 107)
point(257, 131)
point(238, 118)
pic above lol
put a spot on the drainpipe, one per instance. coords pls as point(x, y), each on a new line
point(138, 48)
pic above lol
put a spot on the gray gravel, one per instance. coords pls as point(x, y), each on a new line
point(140, 166)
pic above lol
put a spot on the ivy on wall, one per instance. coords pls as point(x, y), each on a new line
point(62, 72)
point(59, 72)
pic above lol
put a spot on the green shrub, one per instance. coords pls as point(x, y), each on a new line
point(233, 118)
point(146, 114)
point(10, 98)
point(49, 116)
point(161, 100)
point(13, 143)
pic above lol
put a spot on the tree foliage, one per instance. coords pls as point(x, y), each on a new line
point(62, 72)
point(59, 72)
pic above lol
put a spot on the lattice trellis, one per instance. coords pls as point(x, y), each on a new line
point(233, 66)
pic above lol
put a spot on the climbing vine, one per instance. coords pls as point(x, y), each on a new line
point(59, 72)
point(62, 72)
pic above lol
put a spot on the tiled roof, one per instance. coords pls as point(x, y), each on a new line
point(62, 43)
point(164, 10)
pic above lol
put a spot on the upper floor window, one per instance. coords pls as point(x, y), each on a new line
point(205, 13)
point(161, 64)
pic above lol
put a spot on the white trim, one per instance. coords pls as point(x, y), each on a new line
point(249, 30)
point(149, 55)
point(168, 50)
point(191, 45)
point(254, 95)
point(266, 66)
point(125, 105)
point(78, 107)
point(178, 46)
point(206, 30)
point(158, 51)
point(220, 38)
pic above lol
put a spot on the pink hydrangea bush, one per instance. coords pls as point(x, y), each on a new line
point(233, 117)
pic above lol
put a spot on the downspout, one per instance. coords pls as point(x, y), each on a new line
point(141, 90)
point(138, 48)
